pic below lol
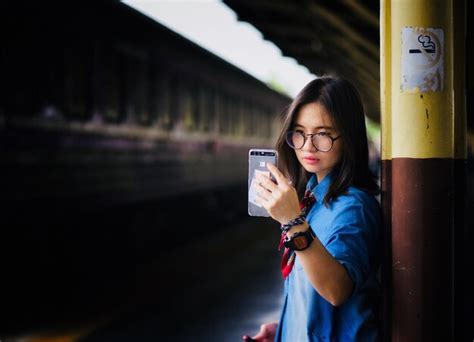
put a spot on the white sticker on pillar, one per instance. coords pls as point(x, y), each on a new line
point(422, 59)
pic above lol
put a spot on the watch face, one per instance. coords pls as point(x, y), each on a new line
point(300, 242)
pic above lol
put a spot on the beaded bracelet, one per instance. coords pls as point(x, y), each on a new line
point(295, 222)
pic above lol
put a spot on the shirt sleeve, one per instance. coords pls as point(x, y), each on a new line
point(352, 241)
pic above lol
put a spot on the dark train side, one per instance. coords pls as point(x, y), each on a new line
point(112, 129)
point(103, 104)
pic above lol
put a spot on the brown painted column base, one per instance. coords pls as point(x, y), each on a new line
point(419, 205)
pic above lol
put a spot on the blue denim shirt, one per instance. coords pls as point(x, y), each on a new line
point(350, 230)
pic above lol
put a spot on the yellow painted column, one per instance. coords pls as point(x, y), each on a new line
point(423, 149)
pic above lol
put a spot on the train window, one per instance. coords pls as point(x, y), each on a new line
point(162, 100)
point(240, 118)
point(206, 109)
point(254, 120)
point(221, 114)
point(20, 78)
point(33, 80)
point(77, 71)
point(199, 106)
point(181, 104)
point(175, 103)
point(109, 84)
point(269, 120)
point(136, 83)
point(217, 111)
point(245, 118)
point(262, 122)
point(242, 128)
point(196, 105)
point(211, 98)
point(186, 115)
point(272, 122)
point(232, 116)
point(225, 123)
point(154, 90)
point(150, 110)
point(265, 122)
point(50, 88)
point(235, 116)
point(153, 95)
point(3, 85)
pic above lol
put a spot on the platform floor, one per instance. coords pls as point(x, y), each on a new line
point(215, 287)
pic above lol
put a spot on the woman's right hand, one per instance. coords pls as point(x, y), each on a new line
point(266, 333)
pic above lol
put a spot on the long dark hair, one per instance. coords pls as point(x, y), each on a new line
point(342, 100)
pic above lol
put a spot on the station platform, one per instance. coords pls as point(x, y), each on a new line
point(214, 288)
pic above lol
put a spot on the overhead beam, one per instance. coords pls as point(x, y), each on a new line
point(340, 25)
point(363, 13)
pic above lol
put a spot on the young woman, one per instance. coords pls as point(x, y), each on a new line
point(331, 239)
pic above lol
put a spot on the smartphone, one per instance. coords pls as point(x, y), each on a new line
point(258, 159)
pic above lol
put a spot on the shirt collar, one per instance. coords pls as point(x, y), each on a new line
point(319, 190)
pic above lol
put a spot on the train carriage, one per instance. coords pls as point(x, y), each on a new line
point(102, 104)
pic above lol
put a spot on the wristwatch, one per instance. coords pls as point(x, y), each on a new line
point(300, 240)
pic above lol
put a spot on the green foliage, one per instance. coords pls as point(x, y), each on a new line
point(373, 129)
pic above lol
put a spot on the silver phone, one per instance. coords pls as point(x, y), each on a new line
point(257, 164)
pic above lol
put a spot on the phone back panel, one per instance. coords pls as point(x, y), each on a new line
point(257, 163)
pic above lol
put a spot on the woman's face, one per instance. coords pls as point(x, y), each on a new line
point(314, 118)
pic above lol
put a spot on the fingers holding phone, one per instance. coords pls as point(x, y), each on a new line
point(277, 196)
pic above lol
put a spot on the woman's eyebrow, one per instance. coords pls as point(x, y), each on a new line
point(318, 127)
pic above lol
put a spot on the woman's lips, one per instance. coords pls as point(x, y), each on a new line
point(311, 160)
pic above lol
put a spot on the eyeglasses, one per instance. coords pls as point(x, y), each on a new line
point(321, 141)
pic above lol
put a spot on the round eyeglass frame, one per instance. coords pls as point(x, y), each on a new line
point(311, 135)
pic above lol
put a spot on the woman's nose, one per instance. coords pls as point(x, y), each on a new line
point(308, 144)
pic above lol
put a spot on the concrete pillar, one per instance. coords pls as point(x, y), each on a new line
point(423, 161)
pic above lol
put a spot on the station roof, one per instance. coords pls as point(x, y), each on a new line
point(328, 37)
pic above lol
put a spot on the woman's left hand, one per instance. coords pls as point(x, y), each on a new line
point(281, 199)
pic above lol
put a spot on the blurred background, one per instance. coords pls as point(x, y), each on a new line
point(124, 133)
